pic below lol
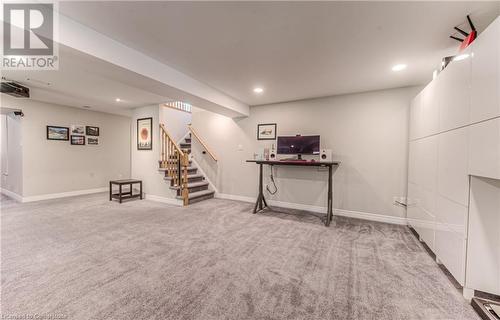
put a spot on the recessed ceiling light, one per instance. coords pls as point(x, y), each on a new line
point(399, 67)
point(118, 100)
point(258, 90)
point(461, 57)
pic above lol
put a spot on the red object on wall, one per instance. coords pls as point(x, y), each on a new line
point(467, 41)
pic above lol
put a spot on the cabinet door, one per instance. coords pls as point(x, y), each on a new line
point(485, 74)
point(418, 218)
point(453, 178)
point(453, 93)
point(412, 161)
point(450, 249)
point(484, 149)
point(416, 117)
point(427, 168)
point(430, 109)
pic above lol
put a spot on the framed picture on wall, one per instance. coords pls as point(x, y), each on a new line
point(266, 131)
point(78, 140)
point(145, 134)
point(77, 129)
point(92, 140)
point(57, 133)
point(92, 131)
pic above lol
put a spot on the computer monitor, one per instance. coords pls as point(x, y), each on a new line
point(298, 145)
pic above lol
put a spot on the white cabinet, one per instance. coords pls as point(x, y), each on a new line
point(430, 110)
point(483, 255)
point(412, 161)
point(453, 179)
point(453, 91)
point(450, 249)
point(455, 134)
point(427, 150)
point(418, 217)
point(484, 149)
point(416, 117)
point(485, 75)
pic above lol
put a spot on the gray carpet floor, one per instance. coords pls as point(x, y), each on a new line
point(88, 258)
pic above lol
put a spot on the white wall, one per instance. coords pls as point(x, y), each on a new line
point(51, 167)
point(368, 132)
point(11, 157)
point(145, 162)
point(175, 121)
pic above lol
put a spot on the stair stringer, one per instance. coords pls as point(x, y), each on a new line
point(210, 184)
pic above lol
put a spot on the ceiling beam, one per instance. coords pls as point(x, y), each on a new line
point(167, 81)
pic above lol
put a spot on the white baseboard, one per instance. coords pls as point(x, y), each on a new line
point(320, 209)
point(371, 216)
point(63, 194)
point(172, 201)
point(12, 195)
point(234, 197)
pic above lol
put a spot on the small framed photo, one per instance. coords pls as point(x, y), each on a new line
point(145, 134)
point(77, 130)
point(266, 131)
point(78, 140)
point(92, 131)
point(57, 133)
point(92, 140)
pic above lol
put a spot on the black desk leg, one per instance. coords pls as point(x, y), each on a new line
point(329, 213)
point(260, 198)
point(140, 188)
point(110, 191)
point(120, 193)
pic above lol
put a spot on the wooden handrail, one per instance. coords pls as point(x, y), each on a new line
point(162, 126)
point(191, 129)
point(175, 162)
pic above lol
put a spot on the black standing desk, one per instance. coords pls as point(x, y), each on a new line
point(261, 201)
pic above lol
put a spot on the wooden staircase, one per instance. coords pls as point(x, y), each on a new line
point(183, 177)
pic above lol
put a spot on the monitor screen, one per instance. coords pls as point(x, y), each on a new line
point(298, 145)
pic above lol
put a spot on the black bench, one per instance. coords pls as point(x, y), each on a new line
point(124, 195)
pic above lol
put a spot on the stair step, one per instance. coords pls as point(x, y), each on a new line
point(192, 185)
point(200, 194)
point(187, 140)
point(159, 161)
point(190, 170)
point(191, 177)
point(185, 145)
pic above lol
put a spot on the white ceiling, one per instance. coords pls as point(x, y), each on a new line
point(83, 80)
point(294, 50)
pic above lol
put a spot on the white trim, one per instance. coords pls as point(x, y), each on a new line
point(297, 206)
point(320, 209)
point(172, 201)
point(63, 194)
point(12, 195)
point(370, 216)
point(234, 197)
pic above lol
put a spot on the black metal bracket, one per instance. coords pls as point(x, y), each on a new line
point(458, 39)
